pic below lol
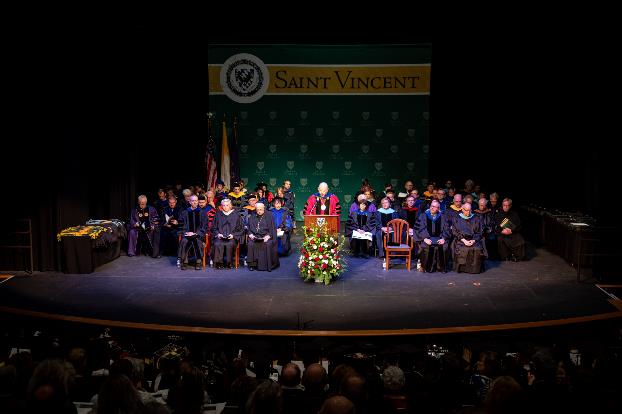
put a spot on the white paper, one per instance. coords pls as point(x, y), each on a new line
point(325, 364)
point(362, 236)
point(402, 195)
point(579, 224)
point(279, 233)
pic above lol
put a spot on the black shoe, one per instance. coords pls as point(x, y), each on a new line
point(197, 266)
point(218, 265)
point(230, 266)
point(251, 268)
point(514, 259)
point(183, 267)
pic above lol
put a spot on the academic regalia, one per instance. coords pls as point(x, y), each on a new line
point(382, 217)
point(262, 255)
point(354, 207)
point(290, 203)
point(443, 204)
point(283, 221)
point(489, 235)
point(410, 214)
point(192, 221)
point(433, 257)
point(363, 220)
point(169, 231)
point(148, 231)
point(160, 205)
point(329, 201)
point(236, 200)
point(509, 244)
point(468, 258)
point(226, 224)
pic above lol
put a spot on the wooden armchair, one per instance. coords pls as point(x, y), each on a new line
point(397, 242)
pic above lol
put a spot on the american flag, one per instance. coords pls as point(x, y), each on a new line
point(210, 160)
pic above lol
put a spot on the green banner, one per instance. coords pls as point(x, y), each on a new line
point(334, 114)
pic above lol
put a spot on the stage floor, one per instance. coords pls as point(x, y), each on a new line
point(365, 300)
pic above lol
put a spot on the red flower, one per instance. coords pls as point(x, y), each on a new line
point(338, 266)
point(319, 235)
point(321, 249)
point(317, 259)
point(306, 255)
point(324, 266)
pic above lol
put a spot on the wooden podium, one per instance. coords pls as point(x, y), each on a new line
point(331, 220)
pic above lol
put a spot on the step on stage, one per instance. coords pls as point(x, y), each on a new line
point(151, 293)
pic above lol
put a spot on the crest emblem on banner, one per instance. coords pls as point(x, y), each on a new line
point(379, 132)
point(336, 149)
point(394, 149)
point(378, 166)
point(244, 115)
point(272, 181)
point(347, 132)
point(303, 181)
point(290, 132)
point(319, 164)
point(410, 166)
point(395, 116)
point(272, 148)
point(365, 149)
point(304, 115)
point(244, 148)
point(347, 165)
point(335, 182)
point(244, 78)
point(319, 132)
point(365, 116)
point(272, 115)
point(260, 132)
point(426, 115)
point(290, 165)
point(394, 182)
point(425, 149)
point(260, 165)
point(320, 221)
point(304, 148)
point(411, 132)
point(336, 115)
point(347, 198)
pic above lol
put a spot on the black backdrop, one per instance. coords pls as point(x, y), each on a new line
point(101, 112)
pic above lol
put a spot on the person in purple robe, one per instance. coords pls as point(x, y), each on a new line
point(144, 228)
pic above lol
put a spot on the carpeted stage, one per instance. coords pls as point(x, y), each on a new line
point(366, 300)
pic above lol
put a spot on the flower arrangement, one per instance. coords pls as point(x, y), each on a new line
point(80, 231)
point(320, 257)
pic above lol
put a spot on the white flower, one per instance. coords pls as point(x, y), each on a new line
point(315, 247)
point(325, 261)
point(320, 257)
point(332, 251)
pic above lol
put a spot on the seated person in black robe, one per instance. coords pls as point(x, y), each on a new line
point(382, 216)
point(144, 229)
point(431, 234)
point(192, 233)
point(468, 244)
point(170, 227)
point(360, 221)
point(488, 224)
point(510, 243)
point(262, 240)
point(226, 234)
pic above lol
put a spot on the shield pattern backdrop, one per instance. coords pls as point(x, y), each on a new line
point(337, 139)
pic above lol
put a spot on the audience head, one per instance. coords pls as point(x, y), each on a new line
point(161, 194)
point(504, 396)
point(277, 203)
point(494, 197)
point(362, 205)
point(410, 201)
point(466, 209)
point(202, 201)
point(287, 184)
point(315, 379)
point(440, 193)
point(434, 206)
point(260, 208)
point(236, 188)
point(266, 399)
point(354, 388)
point(337, 405)
point(393, 379)
point(290, 375)
point(220, 185)
point(385, 203)
point(408, 185)
point(187, 193)
point(468, 199)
